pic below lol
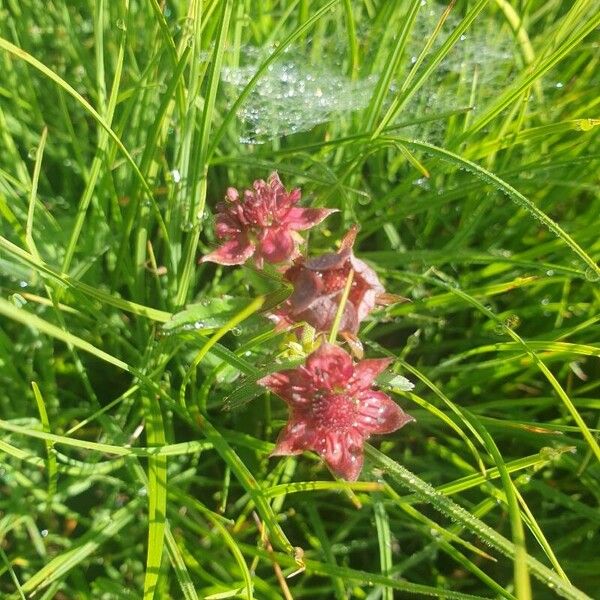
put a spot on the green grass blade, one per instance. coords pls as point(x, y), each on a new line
point(52, 467)
point(490, 536)
point(511, 192)
point(19, 53)
point(89, 543)
point(157, 494)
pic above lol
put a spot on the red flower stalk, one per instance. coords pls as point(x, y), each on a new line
point(334, 408)
point(318, 287)
point(262, 223)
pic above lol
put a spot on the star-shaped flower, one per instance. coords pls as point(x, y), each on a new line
point(334, 408)
point(318, 286)
point(262, 223)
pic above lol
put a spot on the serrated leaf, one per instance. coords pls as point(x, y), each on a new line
point(396, 382)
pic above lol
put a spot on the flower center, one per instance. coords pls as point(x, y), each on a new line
point(334, 410)
point(334, 280)
point(258, 213)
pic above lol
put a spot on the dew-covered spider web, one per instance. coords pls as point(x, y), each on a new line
point(294, 95)
point(299, 91)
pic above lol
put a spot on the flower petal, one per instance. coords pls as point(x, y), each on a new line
point(294, 196)
point(294, 438)
point(321, 314)
point(343, 453)
point(274, 182)
point(328, 261)
point(366, 303)
point(368, 275)
point(385, 299)
point(232, 194)
point(368, 286)
point(355, 345)
point(348, 240)
point(227, 226)
point(305, 218)
point(378, 413)
point(307, 287)
point(329, 366)
point(277, 245)
point(366, 371)
point(233, 252)
point(293, 385)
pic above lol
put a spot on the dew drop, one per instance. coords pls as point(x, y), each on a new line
point(121, 24)
point(512, 321)
point(592, 274)
point(17, 300)
point(499, 331)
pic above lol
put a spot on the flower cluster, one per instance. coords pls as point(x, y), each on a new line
point(263, 223)
point(333, 406)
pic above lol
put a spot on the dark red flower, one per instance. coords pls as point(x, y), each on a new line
point(318, 286)
point(263, 223)
point(334, 408)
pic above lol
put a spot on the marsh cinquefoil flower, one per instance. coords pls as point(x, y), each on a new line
point(263, 223)
point(334, 408)
point(318, 286)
